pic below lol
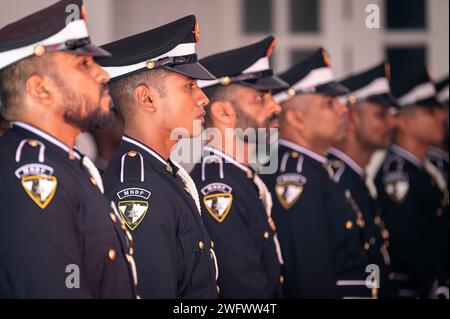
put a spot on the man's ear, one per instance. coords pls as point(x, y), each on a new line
point(402, 122)
point(146, 97)
point(354, 119)
point(40, 89)
point(294, 119)
point(223, 112)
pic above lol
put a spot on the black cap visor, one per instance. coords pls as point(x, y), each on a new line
point(384, 99)
point(269, 83)
point(193, 70)
point(430, 103)
point(332, 89)
point(91, 50)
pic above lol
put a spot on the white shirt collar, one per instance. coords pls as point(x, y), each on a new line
point(347, 160)
point(320, 158)
point(406, 155)
point(228, 158)
point(47, 137)
point(145, 148)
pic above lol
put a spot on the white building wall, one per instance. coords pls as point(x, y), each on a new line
point(351, 45)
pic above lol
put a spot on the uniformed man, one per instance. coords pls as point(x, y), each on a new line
point(413, 194)
point(154, 86)
point(59, 236)
point(369, 129)
point(438, 154)
point(236, 204)
point(321, 231)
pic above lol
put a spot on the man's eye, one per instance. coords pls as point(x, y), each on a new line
point(191, 86)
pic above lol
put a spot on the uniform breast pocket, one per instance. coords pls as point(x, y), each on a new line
point(193, 251)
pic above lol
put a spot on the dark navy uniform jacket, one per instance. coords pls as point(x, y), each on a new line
point(320, 233)
point(235, 215)
point(416, 214)
point(350, 176)
point(55, 225)
point(173, 250)
point(439, 158)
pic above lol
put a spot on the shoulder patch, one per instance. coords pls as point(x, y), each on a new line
point(396, 186)
point(38, 182)
point(338, 168)
point(133, 205)
point(133, 212)
point(218, 200)
point(288, 188)
point(134, 192)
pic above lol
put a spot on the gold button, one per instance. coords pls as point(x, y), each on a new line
point(212, 244)
point(218, 290)
point(39, 50)
point(349, 225)
point(249, 174)
point(391, 276)
point(151, 65)
point(281, 280)
point(124, 228)
point(291, 92)
point(33, 143)
point(366, 246)
point(385, 234)
point(201, 245)
point(112, 255)
point(113, 217)
point(377, 220)
point(226, 80)
point(361, 223)
point(93, 181)
point(131, 251)
point(351, 100)
point(294, 154)
point(372, 241)
point(439, 212)
point(266, 235)
point(132, 154)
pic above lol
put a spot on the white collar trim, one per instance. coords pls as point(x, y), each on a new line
point(438, 152)
point(145, 148)
point(347, 160)
point(226, 157)
point(406, 155)
point(301, 149)
point(47, 137)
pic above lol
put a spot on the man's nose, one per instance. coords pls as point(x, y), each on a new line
point(100, 75)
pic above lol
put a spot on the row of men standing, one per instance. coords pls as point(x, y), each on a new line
point(308, 229)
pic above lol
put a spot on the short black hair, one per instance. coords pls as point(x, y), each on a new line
point(13, 81)
point(122, 90)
